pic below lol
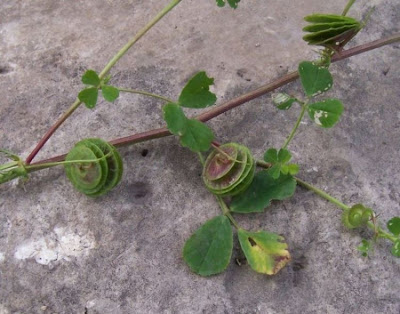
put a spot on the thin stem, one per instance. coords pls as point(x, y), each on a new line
point(322, 194)
point(348, 6)
point(31, 168)
point(106, 69)
point(225, 211)
point(51, 131)
point(233, 103)
point(135, 91)
point(139, 35)
point(263, 164)
point(292, 134)
point(382, 233)
point(201, 158)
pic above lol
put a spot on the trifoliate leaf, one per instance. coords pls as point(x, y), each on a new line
point(283, 101)
point(208, 251)
point(175, 118)
point(266, 252)
point(110, 93)
point(315, 79)
point(394, 225)
point(232, 3)
point(262, 191)
point(90, 77)
point(396, 248)
point(326, 113)
point(196, 93)
point(197, 136)
point(89, 97)
point(279, 160)
point(364, 248)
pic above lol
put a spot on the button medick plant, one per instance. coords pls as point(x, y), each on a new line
point(94, 166)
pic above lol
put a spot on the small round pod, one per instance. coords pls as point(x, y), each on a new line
point(229, 170)
point(356, 216)
point(100, 173)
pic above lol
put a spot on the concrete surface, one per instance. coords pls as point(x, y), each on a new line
point(62, 252)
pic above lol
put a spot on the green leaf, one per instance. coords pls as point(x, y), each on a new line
point(208, 251)
point(197, 136)
point(175, 118)
point(110, 93)
point(232, 3)
point(196, 93)
point(283, 101)
point(284, 156)
point(90, 77)
point(394, 225)
point(262, 191)
point(265, 252)
point(275, 171)
point(396, 248)
point(293, 169)
point(315, 79)
point(364, 248)
point(326, 113)
point(271, 155)
point(279, 162)
point(89, 97)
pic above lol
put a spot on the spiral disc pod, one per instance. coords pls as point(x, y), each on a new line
point(357, 216)
point(101, 174)
point(229, 170)
point(330, 30)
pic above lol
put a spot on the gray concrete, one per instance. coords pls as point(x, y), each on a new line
point(62, 252)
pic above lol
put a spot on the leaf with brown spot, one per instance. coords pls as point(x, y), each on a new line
point(266, 252)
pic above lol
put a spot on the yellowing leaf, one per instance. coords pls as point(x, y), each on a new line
point(265, 252)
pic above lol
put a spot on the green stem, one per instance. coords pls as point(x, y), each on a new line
point(201, 158)
point(135, 91)
point(225, 211)
point(106, 69)
point(379, 231)
point(139, 35)
point(35, 167)
point(348, 6)
point(303, 111)
point(322, 194)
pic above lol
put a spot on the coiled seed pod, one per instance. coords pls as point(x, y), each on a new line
point(229, 170)
point(329, 30)
point(356, 216)
point(102, 171)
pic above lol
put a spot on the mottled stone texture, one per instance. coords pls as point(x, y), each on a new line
point(62, 252)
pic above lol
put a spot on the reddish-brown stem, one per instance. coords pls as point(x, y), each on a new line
point(217, 110)
point(50, 132)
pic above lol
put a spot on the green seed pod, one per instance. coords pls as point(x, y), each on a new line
point(229, 170)
point(101, 173)
point(356, 216)
point(331, 31)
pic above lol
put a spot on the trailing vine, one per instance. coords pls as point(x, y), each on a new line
point(94, 166)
